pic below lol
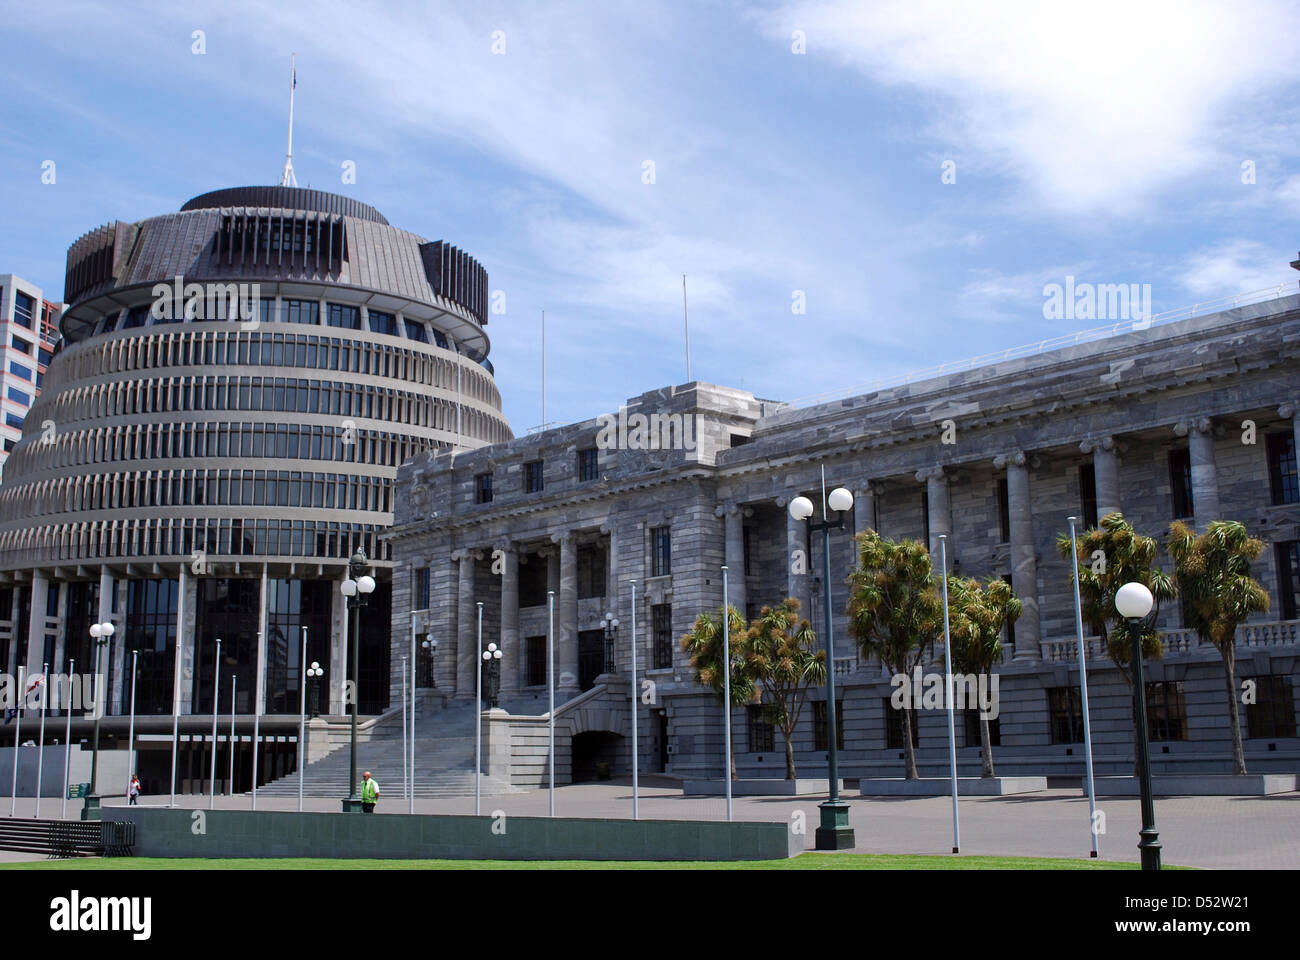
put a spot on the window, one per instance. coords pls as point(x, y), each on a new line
point(761, 732)
point(14, 420)
point(1166, 710)
point(1180, 483)
point(591, 571)
point(43, 357)
point(1088, 495)
point(415, 331)
point(533, 476)
point(1009, 636)
point(19, 370)
point(23, 309)
point(971, 726)
point(1273, 712)
point(746, 535)
point(587, 465)
point(1288, 578)
point(661, 627)
point(1282, 468)
point(343, 315)
point(536, 647)
point(1004, 511)
point(894, 719)
point(661, 552)
point(483, 488)
point(819, 725)
point(420, 589)
point(19, 396)
point(383, 323)
point(21, 345)
point(925, 514)
point(1065, 710)
point(532, 580)
point(301, 311)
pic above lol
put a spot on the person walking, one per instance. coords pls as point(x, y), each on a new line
point(133, 792)
point(369, 793)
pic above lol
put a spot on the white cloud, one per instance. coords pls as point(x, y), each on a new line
point(1234, 267)
point(1097, 107)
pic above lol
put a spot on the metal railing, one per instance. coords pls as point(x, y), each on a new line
point(1044, 346)
point(1273, 633)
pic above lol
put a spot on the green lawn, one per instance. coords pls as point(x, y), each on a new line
point(807, 861)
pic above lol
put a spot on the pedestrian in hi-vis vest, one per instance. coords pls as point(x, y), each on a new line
point(369, 793)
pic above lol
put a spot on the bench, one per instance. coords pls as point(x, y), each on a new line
point(67, 838)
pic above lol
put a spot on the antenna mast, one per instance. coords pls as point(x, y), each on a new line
point(287, 179)
point(686, 322)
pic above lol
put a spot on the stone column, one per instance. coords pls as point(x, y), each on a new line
point(112, 666)
point(566, 620)
point(864, 518)
point(936, 489)
point(1024, 560)
point(613, 596)
point(466, 627)
point(510, 643)
point(59, 663)
point(35, 638)
point(1105, 470)
point(797, 560)
point(259, 687)
point(339, 649)
point(187, 606)
point(734, 554)
point(1205, 480)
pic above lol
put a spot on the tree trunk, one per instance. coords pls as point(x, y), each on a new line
point(909, 754)
point(1234, 718)
point(789, 754)
point(986, 743)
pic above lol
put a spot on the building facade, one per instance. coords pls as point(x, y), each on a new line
point(1194, 419)
point(235, 387)
point(28, 334)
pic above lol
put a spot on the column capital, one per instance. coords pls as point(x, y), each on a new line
point(459, 555)
point(506, 546)
point(1286, 411)
point(1015, 458)
point(1185, 428)
point(1092, 444)
point(564, 539)
point(936, 472)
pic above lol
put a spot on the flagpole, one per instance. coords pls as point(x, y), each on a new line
point(67, 739)
point(234, 683)
point(726, 687)
point(40, 741)
point(478, 713)
point(1083, 685)
point(550, 690)
point(176, 680)
point(216, 691)
point(257, 732)
point(406, 769)
point(411, 805)
point(302, 718)
point(130, 736)
point(635, 757)
point(952, 732)
point(686, 322)
point(18, 739)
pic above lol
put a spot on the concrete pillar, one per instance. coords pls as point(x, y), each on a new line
point(113, 667)
point(1205, 480)
point(510, 643)
point(466, 627)
point(864, 518)
point(1024, 560)
point(797, 560)
point(1105, 470)
point(338, 649)
point(186, 632)
point(734, 554)
point(60, 641)
point(566, 620)
point(940, 519)
point(35, 638)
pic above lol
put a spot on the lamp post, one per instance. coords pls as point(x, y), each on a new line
point(611, 635)
point(834, 833)
point(100, 636)
point(1133, 602)
point(314, 673)
point(430, 647)
point(357, 588)
point(492, 657)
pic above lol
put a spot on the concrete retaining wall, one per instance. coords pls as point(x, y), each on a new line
point(245, 833)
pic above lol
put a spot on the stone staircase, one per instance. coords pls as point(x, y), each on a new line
point(444, 760)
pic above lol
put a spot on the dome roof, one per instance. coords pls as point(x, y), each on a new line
point(287, 198)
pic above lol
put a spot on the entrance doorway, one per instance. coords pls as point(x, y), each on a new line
point(661, 738)
point(591, 657)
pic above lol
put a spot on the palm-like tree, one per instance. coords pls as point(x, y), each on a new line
point(895, 611)
point(977, 613)
point(1111, 555)
point(781, 656)
point(1213, 575)
point(704, 645)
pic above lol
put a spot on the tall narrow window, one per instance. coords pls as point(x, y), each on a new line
point(819, 725)
point(483, 488)
point(1065, 712)
point(587, 465)
point(1004, 511)
point(1166, 710)
point(1088, 495)
point(661, 552)
point(1288, 578)
point(1180, 483)
point(894, 719)
point(760, 730)
point(1273, 712)
point(533, 476)
point(661, 620)
point(1282, 468)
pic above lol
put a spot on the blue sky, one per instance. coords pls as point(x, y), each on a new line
point(1104, 142)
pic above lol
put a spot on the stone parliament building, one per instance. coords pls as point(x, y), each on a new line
point(1155, 422)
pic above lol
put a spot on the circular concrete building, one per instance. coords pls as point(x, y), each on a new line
point(219, 430)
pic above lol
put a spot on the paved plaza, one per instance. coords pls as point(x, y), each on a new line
point(1207, 832)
